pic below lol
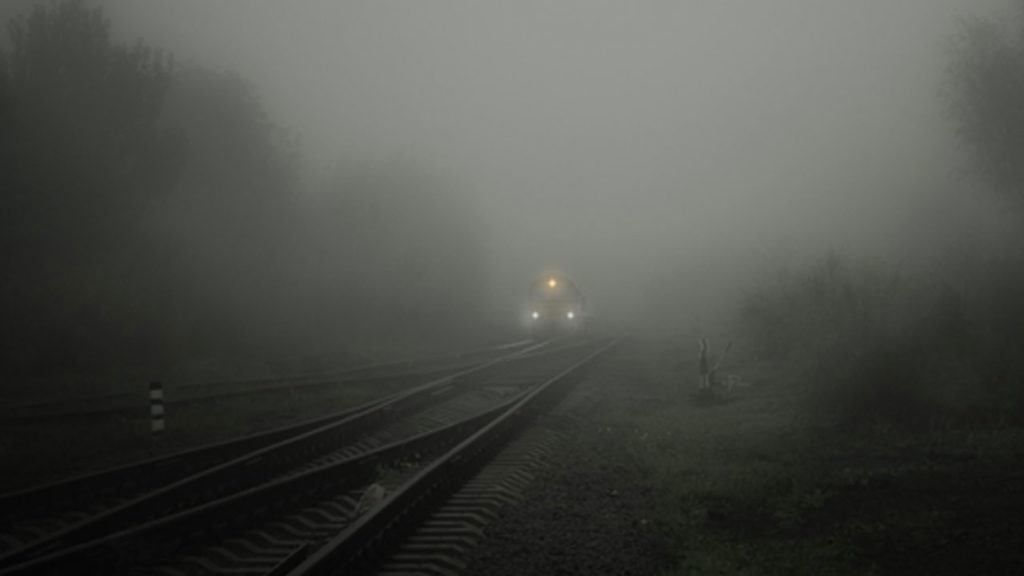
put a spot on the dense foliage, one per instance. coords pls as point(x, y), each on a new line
point(154, 219)
point(82, 156)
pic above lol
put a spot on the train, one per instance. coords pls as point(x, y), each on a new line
point(556, 307)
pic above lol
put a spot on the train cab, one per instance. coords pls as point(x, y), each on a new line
point(555, 307)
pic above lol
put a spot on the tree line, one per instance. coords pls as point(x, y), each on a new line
point(874, 345)
point(154, 213)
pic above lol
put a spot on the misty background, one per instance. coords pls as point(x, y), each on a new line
point(617, 141)
point(310, 180)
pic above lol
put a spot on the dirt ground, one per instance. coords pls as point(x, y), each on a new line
point(662, 481)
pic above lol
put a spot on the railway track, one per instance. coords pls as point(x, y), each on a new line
point(270, 508)
point(442, 542)
point(375, 541)
point(34, 518)
point(177, 395)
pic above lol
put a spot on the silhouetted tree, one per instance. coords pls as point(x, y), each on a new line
point(81, 155)
point(985, 98)
point(232, 218)
point(150, 214)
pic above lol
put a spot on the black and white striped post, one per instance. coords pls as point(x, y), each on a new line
point(156, 408)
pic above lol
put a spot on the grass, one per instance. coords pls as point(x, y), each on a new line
point(885, 435)
point(751, 485)
point(867, 344)
point(880, 430)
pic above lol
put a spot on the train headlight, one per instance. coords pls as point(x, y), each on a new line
point(535, 315)
point(570, 315)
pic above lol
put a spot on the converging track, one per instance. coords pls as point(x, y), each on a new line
point(264, 504)
point(34, 518)
point(124, 404)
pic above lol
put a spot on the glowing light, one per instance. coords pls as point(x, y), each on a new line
point(552, 282)
point(536, 315)
point(570, 315)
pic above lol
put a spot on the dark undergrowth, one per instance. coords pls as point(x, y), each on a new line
point(867, 345)
point(751, 485)
point(882, 433)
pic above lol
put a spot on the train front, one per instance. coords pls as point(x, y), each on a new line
point(555, 307)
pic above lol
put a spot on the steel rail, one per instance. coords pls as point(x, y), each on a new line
point(122, 548)
point(164, 532)
point(91, 406)
point(111, 479)
point(362, 543)
point(243, 471)
point(193, 392)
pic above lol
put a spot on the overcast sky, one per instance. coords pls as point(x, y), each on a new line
point(609, 138)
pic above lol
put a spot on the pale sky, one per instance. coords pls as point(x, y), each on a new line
point(609, 138)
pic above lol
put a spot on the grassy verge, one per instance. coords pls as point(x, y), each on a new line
point(883, 432)
point(749, 485)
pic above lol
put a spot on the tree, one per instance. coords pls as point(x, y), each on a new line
point(81, 155)
point(985, 99)
point(84, 110)
point(232, 217)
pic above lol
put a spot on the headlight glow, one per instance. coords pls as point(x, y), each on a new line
point(570, 315)
point(535, 315)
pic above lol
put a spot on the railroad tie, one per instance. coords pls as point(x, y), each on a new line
point(440, 545)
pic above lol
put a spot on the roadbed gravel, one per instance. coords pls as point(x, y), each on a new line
point(586, 512)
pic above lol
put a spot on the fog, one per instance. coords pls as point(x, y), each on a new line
point(807, 217)
point(663, 154)
point(613, 141)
